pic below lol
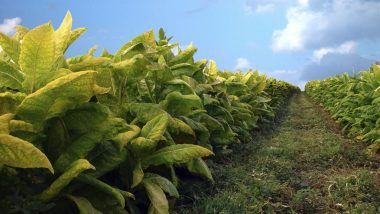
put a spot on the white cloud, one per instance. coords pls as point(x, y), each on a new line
point(290, 76)
point(314, 24)
point(303, 3)
point(345, 48)
point(242, 63)
point(8, 25)
point(263, 6)
point(286, 75)
point(248, 9)
point(292, 38)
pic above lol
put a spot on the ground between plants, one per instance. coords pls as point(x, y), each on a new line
point(304, 165)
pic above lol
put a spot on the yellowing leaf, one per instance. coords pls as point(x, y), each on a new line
point(145, 38)
point(10, 46)
point(4, 123)
point(176, 154)
point(62, 35)
point(10, 77)
point(90, 62)
point(142, 145)
point(75, 34)
point(37, 56)
point(20, 32)
point(159, 203)
point(9, 101)
point(16, 152)
point(125, 137)
point(213, 70)
point(58, 96)
point(155, 128)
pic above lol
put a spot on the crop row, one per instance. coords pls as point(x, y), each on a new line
point(354, 101)
point(106, 134)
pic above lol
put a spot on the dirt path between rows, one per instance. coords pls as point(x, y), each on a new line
point(304, 166)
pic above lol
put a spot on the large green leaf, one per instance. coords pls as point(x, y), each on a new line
point(183, 56)
point(37, 56)
point(83, 205)
point(211, 123)
point(134, 68)
point(179, 105)
point(88, 125)
point(184, 69)
point(108, 158)
point(181, 132)
point(144, 112)
point(201, 131)
point(10, 77)
point(77, 149)
point(155, 128)
point(58, 96)
point(142, 145)
point(22, 154)
point(145, 38)
point(139, 48)
point(160, 72)
point(175, 154)
point(100, 185)
point(178, 85)
point(57, 139)
point(62, 181)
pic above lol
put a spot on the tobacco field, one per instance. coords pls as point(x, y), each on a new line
point(108, 133)
point(141, 129)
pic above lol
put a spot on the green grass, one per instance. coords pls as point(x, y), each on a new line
point(303, 166)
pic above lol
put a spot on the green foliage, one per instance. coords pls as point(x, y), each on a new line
point(84, 206)
point(73, 171)
point(132, 117)
point(354, 102)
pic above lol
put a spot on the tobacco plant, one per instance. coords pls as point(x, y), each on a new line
point(107, 134)
point(354, 101)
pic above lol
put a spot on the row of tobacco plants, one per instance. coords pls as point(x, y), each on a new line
point(354, 101)
point(108, 133)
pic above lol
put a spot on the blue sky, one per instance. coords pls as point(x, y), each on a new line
point(293, 40)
